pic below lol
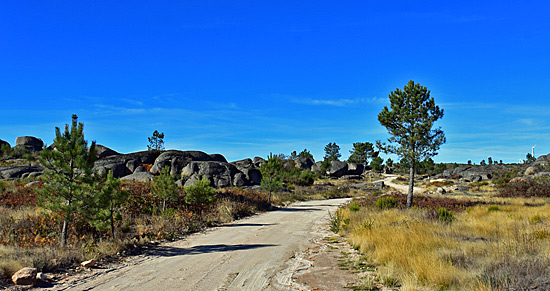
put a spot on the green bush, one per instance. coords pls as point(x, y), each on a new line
point(445, 215)
point(335, 221)
point(386, 202)
point(493, 208)
point(354, 206)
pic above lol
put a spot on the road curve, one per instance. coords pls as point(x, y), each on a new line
point(251, 254)
point(401, 188)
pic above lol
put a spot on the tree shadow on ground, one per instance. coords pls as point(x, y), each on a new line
point(167, 251)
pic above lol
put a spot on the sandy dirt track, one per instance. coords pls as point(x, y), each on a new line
point(256, 253)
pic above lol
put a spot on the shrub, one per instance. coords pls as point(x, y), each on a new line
point(538, 187)
point(354, 206)
point(493, 208)
point(386, 202)
point(537, 218)
point(335, 221)
point(445, 215)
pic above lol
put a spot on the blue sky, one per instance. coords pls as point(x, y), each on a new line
point(246, 78)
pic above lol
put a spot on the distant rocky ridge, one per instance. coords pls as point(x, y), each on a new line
point(190, 166)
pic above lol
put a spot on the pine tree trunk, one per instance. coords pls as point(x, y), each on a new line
point(411, 185)
point(111, 216)
point(64, 232)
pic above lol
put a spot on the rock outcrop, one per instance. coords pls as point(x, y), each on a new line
point(30, 143)
point(103, 151)
point(219, 173)
point(338, 169)
point(177, 160)
point(304, 163)
point(123, 165)
point(22, 169)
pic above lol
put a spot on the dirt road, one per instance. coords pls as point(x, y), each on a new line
point(257, 253)
point(401, 188)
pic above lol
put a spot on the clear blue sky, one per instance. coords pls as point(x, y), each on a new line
point(246, 78)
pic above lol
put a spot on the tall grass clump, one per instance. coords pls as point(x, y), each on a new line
point(479, 250)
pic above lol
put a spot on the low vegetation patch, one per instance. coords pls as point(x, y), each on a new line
point(423, 202)
point(437, 245)
point(29, 235)
point(439, 184)
point(536, 187)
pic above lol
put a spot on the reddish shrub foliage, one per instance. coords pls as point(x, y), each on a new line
point(538, 187)
point(424, 202)
point(20, 196)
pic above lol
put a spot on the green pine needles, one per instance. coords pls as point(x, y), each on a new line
point(271, 171)
point(67, 174)
point(410, 120)
point(201, 195)
point(165, 188)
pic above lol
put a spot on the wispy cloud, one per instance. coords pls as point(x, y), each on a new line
point(339, 102)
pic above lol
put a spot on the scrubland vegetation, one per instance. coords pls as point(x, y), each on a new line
point(496, 242)
point(30, 234)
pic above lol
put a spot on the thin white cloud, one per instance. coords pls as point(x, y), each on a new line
point(339, 102)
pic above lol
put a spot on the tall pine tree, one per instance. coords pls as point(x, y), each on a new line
point(67, 174)
point(409, 120)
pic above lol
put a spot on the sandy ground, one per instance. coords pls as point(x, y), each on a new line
point(401, 188)
point(271, 251)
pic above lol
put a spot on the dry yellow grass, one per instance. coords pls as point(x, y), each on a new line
point(480, 250)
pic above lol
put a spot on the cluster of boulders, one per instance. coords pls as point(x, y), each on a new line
point(539, 168)
point(187, 166)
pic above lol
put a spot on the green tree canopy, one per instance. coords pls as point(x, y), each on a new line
point(410, 122)
point(332, 153)
point(305, 154)
point(156, 142)
point(271, 171)
point(165, 187)
point(107, 203)
point(200, 194)
point(361, 153)
point(376, 164)
point(67, 174)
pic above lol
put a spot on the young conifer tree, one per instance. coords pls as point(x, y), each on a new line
point(165, 187)
point(201, 195)
point(67, 174)
point(107, 203)
point(410, 120)
point(271, 171)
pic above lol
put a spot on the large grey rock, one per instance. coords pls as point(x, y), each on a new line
point(258, 161)
point(254, 176)
point(543, 160)
point(355, 169)
point(177, 160)
point(338, 169)
point(21, 171)
point(304, 163)
point(123, 165)
point(221, 174)
point(25, 276)
point(317, 166)
point(240, 180)
point(103, 151)
point(218, 158)
point(30, 143)
point(243, 164)
point(139, 176)
point(191, 180)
